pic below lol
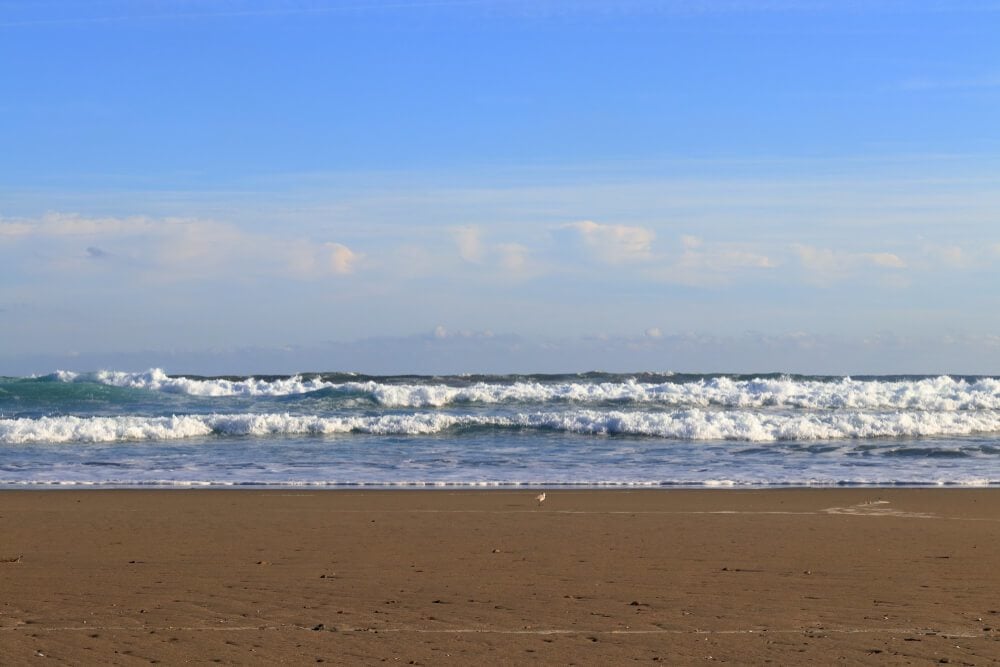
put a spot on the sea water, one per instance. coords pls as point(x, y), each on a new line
point(113, 428)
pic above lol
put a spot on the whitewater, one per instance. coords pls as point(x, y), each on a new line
point(151, 428)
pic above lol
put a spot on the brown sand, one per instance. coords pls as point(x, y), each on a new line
point(436, 577)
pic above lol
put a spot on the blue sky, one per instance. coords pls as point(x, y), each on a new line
point(271, 186)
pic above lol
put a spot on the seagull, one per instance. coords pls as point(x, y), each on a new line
point(540, 498)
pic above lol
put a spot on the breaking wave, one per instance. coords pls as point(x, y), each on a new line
point(940, 394)
point(693, 424)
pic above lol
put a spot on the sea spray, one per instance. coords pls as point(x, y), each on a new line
point(596, 429)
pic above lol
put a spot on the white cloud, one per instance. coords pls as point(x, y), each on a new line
point(829, 265)
point(57, 225)
point(886, 259)
point(341, 258)
point(949, 255)
point(821, 260)
point(441, 332)
point(615, 244)
point(180, 248)
point(691, 242)
point(470, 244)
point(512, 257)
point(203, 248)
point(306, 260)
point(721, 258)
point(704, 264)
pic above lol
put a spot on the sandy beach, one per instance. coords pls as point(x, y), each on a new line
point(897, 576)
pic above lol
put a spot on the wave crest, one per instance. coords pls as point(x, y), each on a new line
point(694, 424)
point(942, 394)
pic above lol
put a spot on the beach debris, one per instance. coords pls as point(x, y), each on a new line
point(540, 498)
point(12, 559)
point(317, 627)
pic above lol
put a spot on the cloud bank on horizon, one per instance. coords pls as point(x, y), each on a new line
point(587, 185)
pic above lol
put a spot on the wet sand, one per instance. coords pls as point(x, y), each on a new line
point(898, 576)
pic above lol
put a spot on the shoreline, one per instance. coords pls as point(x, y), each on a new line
point(591, 576)
point(486, 487)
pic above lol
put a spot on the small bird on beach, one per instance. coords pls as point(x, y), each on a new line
point(540, 498)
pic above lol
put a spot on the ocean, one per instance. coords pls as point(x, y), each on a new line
point(341, 430)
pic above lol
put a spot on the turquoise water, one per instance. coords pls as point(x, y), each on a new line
point(151, 428)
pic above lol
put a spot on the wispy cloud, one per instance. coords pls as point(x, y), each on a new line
point(510, 258)
point(469, 242)
point(689, 260)
point(513, 257)
point(614, 244)
point(705, 264)
point(949, 254)
point(178, 248)
point(828, 265)
point(73, 225)
point(341, 259)
point(885, 260)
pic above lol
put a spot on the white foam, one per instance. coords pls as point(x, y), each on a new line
point(694, 424)
point(114, 429)
point(156, 379)
point(100, 429)
point(937, 394)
